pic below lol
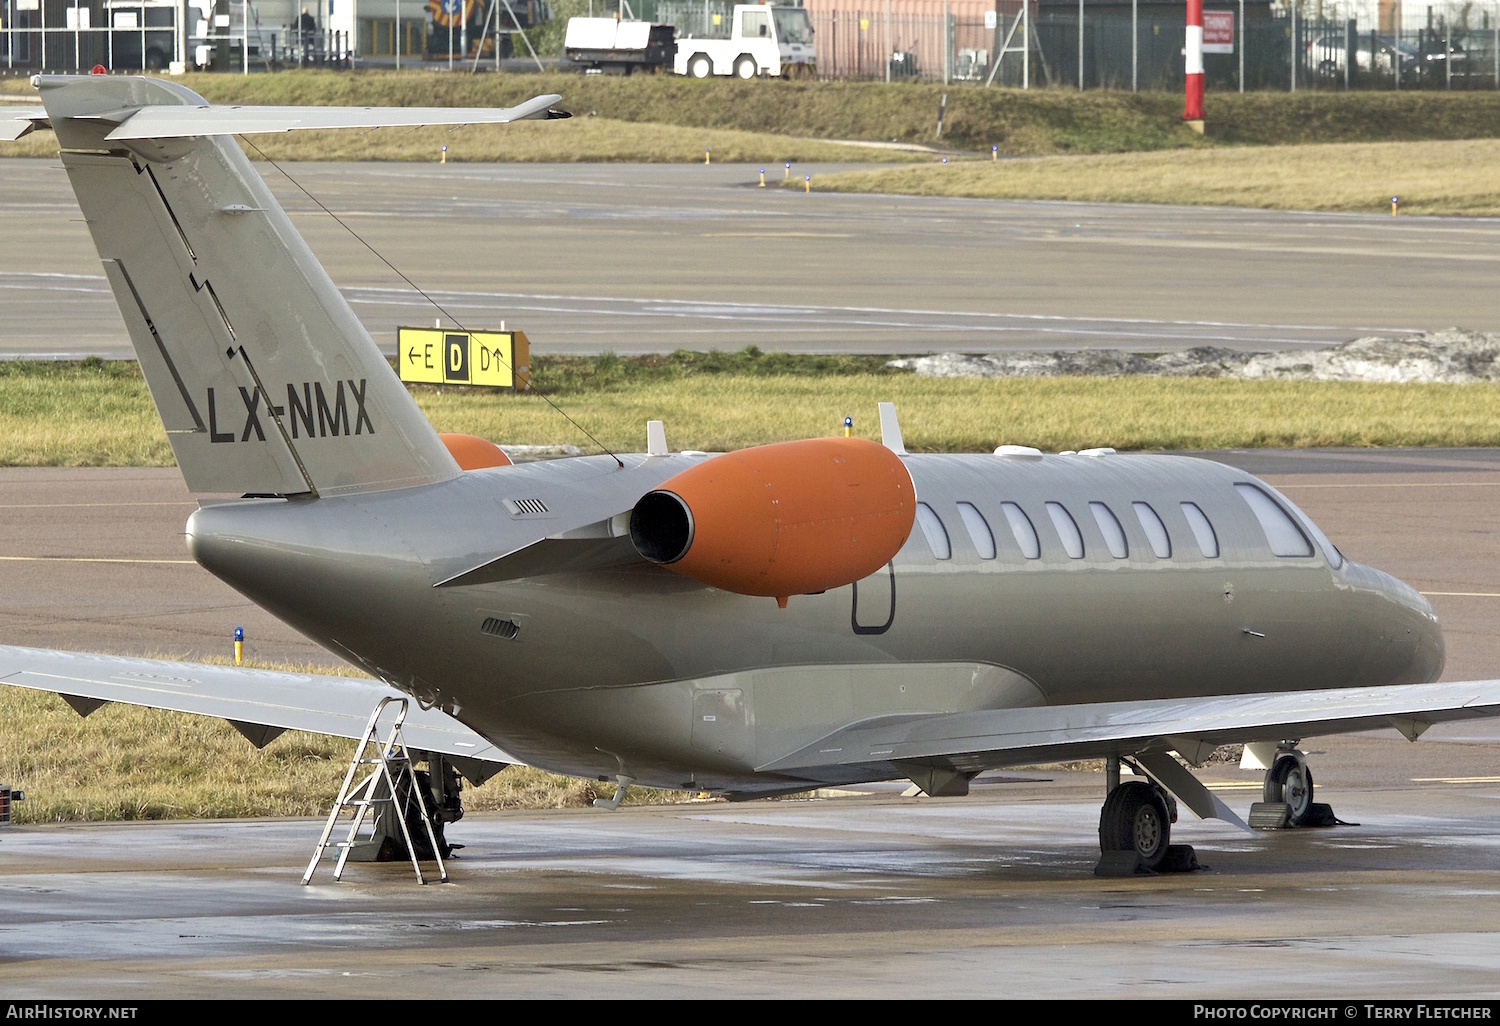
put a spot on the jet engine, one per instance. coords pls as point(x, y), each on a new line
point(471, 453)
point(792, 518)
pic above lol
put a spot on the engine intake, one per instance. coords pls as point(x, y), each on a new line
point(792, 518)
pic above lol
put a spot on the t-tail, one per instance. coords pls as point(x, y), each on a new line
point(265, 380)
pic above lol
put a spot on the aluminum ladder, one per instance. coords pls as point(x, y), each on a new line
point(377, 793)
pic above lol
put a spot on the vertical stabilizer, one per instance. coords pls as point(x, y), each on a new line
point(265, 380)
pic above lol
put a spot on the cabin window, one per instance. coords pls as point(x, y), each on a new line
point(1020, 526)
point(755, 24)
point(1109, 526)
point(1203, 531)
point(1067, 529)
point(979, 530)
point(1335, 557)
point(1282, 532)
point(934, 531)
point(1156, 531)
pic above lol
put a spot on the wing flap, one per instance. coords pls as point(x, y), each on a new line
point(255, 702)
point(175, 122)
point(982, 740)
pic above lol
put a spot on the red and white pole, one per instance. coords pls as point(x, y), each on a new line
point(1192, 111)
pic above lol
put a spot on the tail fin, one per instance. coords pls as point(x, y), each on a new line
point(265, 380)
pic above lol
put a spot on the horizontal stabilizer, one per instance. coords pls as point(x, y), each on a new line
point(248, 699)
point(17, 122)
point(179, 122)
point(1007, 737)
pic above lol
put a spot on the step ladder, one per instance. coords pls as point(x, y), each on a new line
point(378, 798)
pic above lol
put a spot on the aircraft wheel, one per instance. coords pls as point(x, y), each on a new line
point(746, 67)
point(1135, 818)
point(1289, 780)
point(700, 66)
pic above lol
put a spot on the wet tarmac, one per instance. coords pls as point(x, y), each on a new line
point(873, 896)
point(859, 896)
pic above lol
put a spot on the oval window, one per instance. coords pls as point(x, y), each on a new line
point(1282, 532)
point(1156, 531)
point(979, 530)
point(1109, 526)
point(1020, 526)
point(1203, 531)
point(1067, 529)
point(934, 531)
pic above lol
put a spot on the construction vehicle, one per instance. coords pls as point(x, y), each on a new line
point(761, 40)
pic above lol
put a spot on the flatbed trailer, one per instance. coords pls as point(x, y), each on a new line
point(611, 46)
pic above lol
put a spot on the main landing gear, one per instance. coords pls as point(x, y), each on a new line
point(1135, 830)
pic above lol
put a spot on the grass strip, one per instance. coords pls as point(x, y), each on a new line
point(98, 413)
point(1030, 122)
point(1452, 177)
point(577, 140)
point(131, 763)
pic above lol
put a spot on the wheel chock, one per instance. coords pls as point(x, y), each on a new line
point(1180, 858)
point(1276, 816)
point(1269, 816)
point(1320, 814)
point(1119, 864)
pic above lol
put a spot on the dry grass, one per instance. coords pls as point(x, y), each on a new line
point(93, 414)
point(1036, 121)
point(126, 762)
point(577, 140)
point(1438, 177)
point(967, 415)
point(52, 416)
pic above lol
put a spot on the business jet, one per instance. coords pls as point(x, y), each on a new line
point(800, 614)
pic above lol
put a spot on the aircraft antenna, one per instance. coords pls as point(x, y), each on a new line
point(419, 290)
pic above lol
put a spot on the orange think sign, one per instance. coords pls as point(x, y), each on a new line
point(795, 517)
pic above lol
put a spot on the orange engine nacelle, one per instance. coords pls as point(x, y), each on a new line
point(792, 518)
point(473, 453)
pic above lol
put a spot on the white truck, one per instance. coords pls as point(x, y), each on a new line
point(762, 40)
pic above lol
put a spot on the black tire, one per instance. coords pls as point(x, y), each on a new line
point(699, 66)
point(1290, 781)
point(1135, 818)
point(745, 67)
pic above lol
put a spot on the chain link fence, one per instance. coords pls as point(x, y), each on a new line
point(1115, 45)
point(1125, 46)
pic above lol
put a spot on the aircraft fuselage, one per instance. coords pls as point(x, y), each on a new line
point(633, 669)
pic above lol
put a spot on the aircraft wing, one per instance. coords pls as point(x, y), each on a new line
point(16, 122)
point(1008, 737)
point(170, 121)
point(258, 703)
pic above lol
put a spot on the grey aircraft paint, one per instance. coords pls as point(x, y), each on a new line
point(513, 598)
point(614, 670)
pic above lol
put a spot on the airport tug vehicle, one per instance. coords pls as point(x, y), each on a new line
point(760, 40)
point(800, 614)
